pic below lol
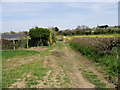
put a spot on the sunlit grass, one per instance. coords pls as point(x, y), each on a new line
point(7, 54)
point(35, 67)
point(12, 73)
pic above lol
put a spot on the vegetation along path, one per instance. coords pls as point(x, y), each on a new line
point(55, 66)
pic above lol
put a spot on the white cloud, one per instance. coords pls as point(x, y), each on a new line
point(98, 13)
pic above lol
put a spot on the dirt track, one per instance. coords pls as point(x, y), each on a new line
point(69, 62)
point(65, 73)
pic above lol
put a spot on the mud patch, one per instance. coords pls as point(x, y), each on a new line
point(58, 54)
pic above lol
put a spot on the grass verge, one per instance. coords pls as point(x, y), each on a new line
point(90, 76)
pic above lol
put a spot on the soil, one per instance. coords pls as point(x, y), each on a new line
point(65, 73)
point(36, 49)
point(70, 61)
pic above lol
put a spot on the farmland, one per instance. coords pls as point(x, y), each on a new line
point(50, 67)
point(59, 44)
point(29, 69)
point(100, 35)
point(52, 60)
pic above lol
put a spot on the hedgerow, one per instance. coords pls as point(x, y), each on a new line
point(102, 51)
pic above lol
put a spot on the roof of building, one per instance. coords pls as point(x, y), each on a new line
point(11, 36)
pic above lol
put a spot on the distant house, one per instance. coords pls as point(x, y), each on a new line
point(103, 26)
point(11, 37)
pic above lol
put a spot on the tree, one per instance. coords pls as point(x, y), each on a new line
point(39, 36)
point(81, 29)
point(6, 44)
point(56, 29)
point(78, 28)
point(23, 42)
point(24, 32)
point(66, 32)
point(12, 32)
point(84, 27)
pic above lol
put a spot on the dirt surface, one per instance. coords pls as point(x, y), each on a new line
point(58, 54)
point(36, 49)
point(71, 60)
point(65, 72)
point(19, 84)
point(69, 65)
point(17, 61)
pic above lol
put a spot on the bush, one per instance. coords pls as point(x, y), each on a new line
point(88, 51)
point(40, 36)
point(6, 44)
point(103, 45)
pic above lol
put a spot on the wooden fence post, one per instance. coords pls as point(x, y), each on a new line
point(14, 44)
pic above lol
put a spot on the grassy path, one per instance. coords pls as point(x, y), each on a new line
point(57, 66)
point(81, 71)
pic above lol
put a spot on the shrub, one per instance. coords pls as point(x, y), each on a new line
point(103, 45)
point(40, 36)
point(6, 44)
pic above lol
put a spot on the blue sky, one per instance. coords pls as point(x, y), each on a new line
point(19, 16)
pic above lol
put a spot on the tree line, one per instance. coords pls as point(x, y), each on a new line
point(85, 30)
point(38, 36)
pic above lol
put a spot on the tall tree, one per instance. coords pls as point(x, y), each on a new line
point(12, 32)
point(56, 29)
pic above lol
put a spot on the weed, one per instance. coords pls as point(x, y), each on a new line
point(45, 83)
point(31, 81)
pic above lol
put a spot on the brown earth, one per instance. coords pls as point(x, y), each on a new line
point(36, 49)
point(75, 60)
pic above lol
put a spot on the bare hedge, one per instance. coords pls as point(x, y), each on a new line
point(99, 43)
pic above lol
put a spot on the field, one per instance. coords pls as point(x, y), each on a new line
point(62, 65)
point(29, 68)
point(15, 65)
point(102, 35)
point(59, 45)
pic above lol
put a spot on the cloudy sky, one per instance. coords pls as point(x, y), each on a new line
point(21, 16)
